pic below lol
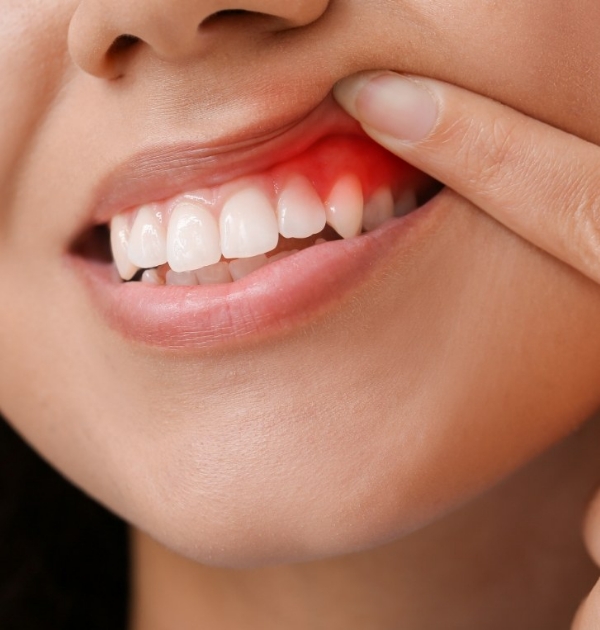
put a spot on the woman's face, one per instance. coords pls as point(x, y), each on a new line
point(351, 393)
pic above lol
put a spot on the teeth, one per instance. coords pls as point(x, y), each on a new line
point(185, 278)
point(119, 241)
point(150, 276)
point(243, 266)
point(192, 238)
point(378, 209)
point(344, 207)
point(248, 224)
point(406, 203)
point(300, 211)
point(214, 274)
point(194, 242)
point(147, 241)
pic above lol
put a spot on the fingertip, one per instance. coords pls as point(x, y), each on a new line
point(399, 107)
point(346, 90)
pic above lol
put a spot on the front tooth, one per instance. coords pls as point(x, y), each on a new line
point(248, 224)
point(244, 266)
point(148, 240)
point(378, 209)
point(344, 206)
point(407, 202)
point(192, 238)
point(119, 242)
point(300, 211)
point(214, 274)
point(185, 278)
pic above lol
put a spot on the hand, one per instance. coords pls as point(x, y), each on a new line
point(540, 182)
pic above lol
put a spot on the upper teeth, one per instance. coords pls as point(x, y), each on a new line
point(300, 211)
point(194, 230)
point(248, 224)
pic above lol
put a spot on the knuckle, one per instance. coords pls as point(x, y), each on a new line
point(584, 208)
point(488, 151)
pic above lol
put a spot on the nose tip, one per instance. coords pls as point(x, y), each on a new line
point(103, 32)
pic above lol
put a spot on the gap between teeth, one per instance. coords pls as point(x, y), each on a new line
point(192, 232)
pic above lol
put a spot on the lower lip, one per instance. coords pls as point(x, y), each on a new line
point(275, 300)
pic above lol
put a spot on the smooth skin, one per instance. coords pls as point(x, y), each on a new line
point(345, 474)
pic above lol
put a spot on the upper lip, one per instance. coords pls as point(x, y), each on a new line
point(163, 171)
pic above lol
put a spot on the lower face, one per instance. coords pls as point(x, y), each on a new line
point(328, 402)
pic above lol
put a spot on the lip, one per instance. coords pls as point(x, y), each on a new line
point(272, 301)
point(277, 298)
point(163, 171)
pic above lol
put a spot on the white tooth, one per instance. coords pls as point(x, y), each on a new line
point(148, 239)
point(119, 242)
point(248, 224)
point(300, 211)
point(150, 276)
point(185, 278)
point(344, 207)
point(244, 266)
point(407, 202)
point(214, 274)
point(378, 209)
point(282, 255)
point(192, 237)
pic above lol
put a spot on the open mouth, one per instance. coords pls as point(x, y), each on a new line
point(341, 187)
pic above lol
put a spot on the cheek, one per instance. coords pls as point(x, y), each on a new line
point(32, 61)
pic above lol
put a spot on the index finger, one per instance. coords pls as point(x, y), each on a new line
point(539, 181)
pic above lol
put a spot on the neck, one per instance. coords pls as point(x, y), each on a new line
point(502, 559)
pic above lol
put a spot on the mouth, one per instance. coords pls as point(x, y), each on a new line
point(251, 248)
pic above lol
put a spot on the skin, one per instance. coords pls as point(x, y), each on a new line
point(452, 368)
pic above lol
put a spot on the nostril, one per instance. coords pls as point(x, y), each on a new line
point(122, 43)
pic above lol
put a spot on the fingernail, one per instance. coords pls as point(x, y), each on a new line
point(390, 104)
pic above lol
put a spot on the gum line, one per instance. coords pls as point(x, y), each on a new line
point(350, 183)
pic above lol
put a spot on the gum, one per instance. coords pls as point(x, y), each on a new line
point(333, 157)
point(323, 164)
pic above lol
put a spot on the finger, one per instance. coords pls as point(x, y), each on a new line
point(542, 183)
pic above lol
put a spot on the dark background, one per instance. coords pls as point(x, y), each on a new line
point(63, 558)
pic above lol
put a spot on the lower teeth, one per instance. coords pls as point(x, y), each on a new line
point(222, 272)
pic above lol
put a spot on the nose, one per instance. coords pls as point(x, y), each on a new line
point(102, 32)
